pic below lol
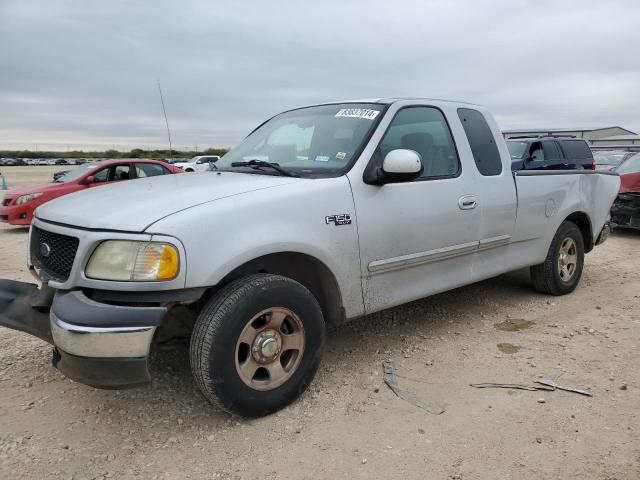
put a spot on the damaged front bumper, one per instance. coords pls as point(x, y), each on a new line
point(98, 344)
point(625, 211)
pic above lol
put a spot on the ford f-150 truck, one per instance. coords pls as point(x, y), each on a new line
point(320, 215)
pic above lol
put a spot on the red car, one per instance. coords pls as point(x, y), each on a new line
point(625, 211)
point(18, 205)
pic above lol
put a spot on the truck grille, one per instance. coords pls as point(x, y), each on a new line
point(52, 252)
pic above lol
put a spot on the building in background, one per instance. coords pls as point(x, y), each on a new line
point(617, 142)
point(587, 134)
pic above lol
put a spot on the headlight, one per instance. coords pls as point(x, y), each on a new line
point(27, 198)
point(129, 261)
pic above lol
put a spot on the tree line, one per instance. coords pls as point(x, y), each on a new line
point(134, 153)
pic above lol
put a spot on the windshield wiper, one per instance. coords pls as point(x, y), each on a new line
point(262, 163)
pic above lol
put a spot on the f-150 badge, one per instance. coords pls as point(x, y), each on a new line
point(340, 219)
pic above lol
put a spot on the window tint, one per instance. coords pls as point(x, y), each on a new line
point(121, 172)
point(483, 145)
point(424, 130)
point(576, 150)
point(551, 152)
point(149, 170)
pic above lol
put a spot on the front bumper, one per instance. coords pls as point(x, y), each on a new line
point(98, 344)
point(16, 214)
point(625, 211)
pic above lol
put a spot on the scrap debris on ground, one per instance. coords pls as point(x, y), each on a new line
point(547, 385)
point(392, 382)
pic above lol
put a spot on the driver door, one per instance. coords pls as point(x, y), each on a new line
point(417, 237)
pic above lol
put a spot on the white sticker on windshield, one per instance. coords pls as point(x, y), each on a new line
point(358, 113)
point(322, 158)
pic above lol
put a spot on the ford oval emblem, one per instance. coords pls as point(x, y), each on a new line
point(45, 249)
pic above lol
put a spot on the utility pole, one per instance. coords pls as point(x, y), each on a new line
point(164, 111)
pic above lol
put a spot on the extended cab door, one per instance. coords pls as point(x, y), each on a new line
point(416, 237)
point(496, 192)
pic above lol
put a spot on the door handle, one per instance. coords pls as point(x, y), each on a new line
point(468, 202)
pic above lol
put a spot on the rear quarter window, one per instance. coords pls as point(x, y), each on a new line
point(483, 145)
point(576, 150)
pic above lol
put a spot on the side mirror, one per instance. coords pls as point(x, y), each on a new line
point(89, 180)
point(406, 163)
point(399, 165)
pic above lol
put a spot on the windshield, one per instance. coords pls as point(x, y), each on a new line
point(75, 173)
point(632, 165)
point(603, 158)
point(310, 142)
point(516, 149)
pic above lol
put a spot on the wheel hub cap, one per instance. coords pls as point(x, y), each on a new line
point(266, 346)
point(270, 348)
point(567, 259)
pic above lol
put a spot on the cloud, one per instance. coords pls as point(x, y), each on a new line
point(83, 73)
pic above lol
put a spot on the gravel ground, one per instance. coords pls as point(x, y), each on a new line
point(349, 424)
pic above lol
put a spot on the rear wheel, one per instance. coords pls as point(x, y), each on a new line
point(560, 273)
point(256, 345)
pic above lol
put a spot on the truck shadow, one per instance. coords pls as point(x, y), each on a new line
point(359, 341)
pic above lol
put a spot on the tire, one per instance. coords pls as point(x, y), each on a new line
point(222, 363)
point(189, 170)
point(551, 276)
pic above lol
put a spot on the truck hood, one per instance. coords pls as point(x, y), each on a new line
point(134, 205)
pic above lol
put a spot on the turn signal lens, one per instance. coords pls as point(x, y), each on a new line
point(128, 261)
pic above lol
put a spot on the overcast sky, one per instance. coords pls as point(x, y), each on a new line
point(83, 73)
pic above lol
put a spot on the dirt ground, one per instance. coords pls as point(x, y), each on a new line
point(349, 424)
point(30, 175)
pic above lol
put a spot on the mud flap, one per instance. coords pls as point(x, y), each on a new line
point(25, 307)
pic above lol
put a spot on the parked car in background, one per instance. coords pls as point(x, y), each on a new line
point(173, 161)
point(609, 159)
point(198, 164)
point(12, 162)
point(625, 211)
point(550, 153)
point(18, 205)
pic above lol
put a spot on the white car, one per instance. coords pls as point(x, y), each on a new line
point(198, 164)
point(321, 215)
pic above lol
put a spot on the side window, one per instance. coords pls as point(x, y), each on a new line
point(576, 150)
point(121, 172)
point(102, 175)
point(551, 151)
point(536, 152)
point(483, 145)
point(149, 170)
point(424, 130)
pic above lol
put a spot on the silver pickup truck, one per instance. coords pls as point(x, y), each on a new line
point(320, 215)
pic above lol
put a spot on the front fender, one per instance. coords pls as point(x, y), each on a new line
point(223, 235)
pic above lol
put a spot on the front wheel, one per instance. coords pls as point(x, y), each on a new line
point(560, 273)
point(257, 344)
